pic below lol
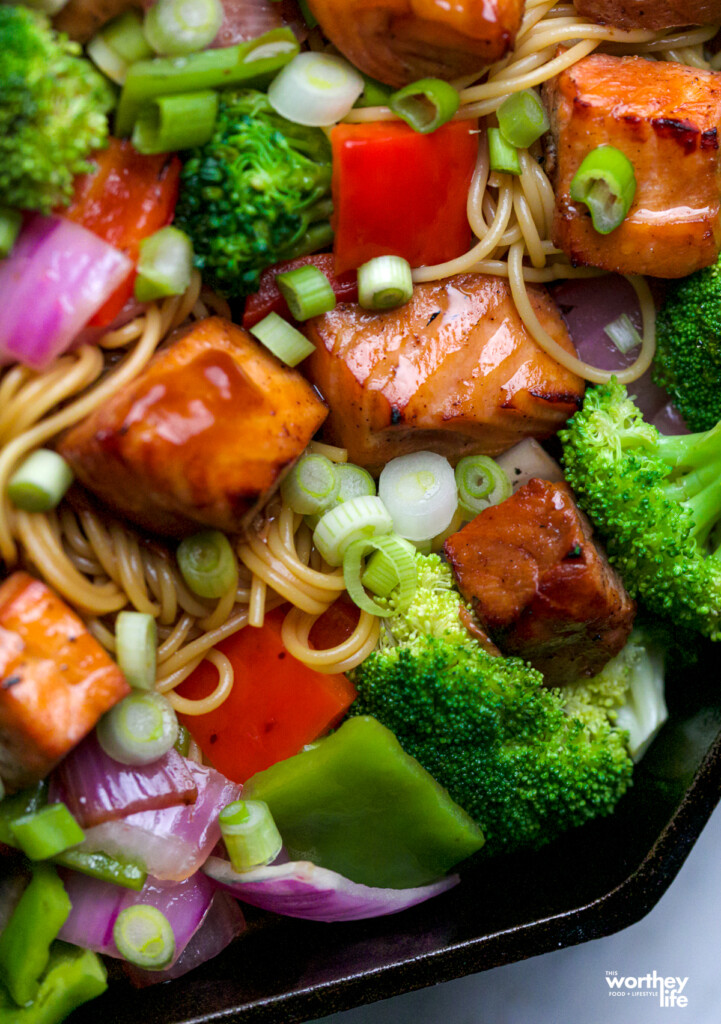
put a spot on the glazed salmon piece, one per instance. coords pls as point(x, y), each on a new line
point(666, 118)
point(201, 437)
point(55, 681)
point(400, 41)
point(541, 585)
point(454, 370)
point(81, 19)
point(650, 14)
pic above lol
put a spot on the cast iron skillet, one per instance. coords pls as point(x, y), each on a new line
point(590, 883)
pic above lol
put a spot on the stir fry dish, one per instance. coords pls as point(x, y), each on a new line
point(360, 455)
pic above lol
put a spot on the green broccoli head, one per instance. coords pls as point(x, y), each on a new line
point(256, 193)
point(53, 107)
point(688, 347)
point(500, 742)
point(434, 610)
point(654, 500)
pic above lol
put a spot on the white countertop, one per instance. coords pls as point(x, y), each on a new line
point(680, 938)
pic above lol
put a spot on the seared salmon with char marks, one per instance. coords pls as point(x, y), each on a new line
point(202, 436)
point(541, 585)
point(454, 371)
point(665, 118)
point(650, 14)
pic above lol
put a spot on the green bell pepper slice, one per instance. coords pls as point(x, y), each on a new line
point(74, 976)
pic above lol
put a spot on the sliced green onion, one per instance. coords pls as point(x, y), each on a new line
point(385, 282)
point(355, 482)
point(144, 937)
point(522, 119)
point(382, 574)
point(47, 832)
point(138, 730)
point(426, 104)
point(502, 156)
point(176, 27)
point(165, 265)
point(481, 483)
point(136, 643)
point(10, 224)
point(375, 94)
point(606, 183)
point(251, 64)
point(251, 836)
point(623, 334)
point(405, 566)
point(311, 486)
point(315, 89)
point(40, 482)
point(169, 123)
point(284, 341)
point(208, 563)
point(308, 17)
point(419, 491)
point(355, 519)
point(119, 44)
point(182, 744)
point(307, 291)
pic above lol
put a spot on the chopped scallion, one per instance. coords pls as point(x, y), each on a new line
point(401, 555)
point(502, 156)
point(426, 104)
point(419, 491)
point(606, 183)
point(138, 730)
point(47, 832)
point(385, 282)
point(623, 334)
point(10, 224)
point(355, 482)
point(354, 519)
point(283, 340)
point(311, 486)
point(307, 291)
point(119, 44)
point(522, 119)
point(374, 94)
point(182, 744)
point(169, 123)
point(144, 937)
point(136, 642)
point(251, 836)
point(481, 483)
point(40, 483)
point(382, 574)
point(315, 89)
point(208, 563)
point(176, 27)
point(165, 265)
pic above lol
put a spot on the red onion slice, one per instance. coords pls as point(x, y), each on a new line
point(98, 789)
point(96, 905)
point(301, 889)
point(57, 276)
point(171, 843)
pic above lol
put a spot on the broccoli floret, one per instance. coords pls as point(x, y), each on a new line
point(495, 737)
point(655, 501)
point(628, 693)
point(53, 106)
point(688, 347)
point(258, 192)
point(434, 610)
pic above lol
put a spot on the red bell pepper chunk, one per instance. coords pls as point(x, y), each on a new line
point(268, 298)
point(276, 706)
point(127, 198)
point(399, 193)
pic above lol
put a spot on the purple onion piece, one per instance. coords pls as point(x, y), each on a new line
point(301, 889)
point(57, 276)
point(223, 923)
point(97, 788)
point(96, 905)
point(172, 843)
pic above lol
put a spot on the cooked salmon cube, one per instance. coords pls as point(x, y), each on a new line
point(665, 117)
point(650, 14)
point(55, 681)
point(454, 370)
point(541, 585)
point(201, 437)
